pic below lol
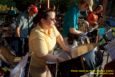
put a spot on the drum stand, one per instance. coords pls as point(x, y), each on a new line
point(56, 72)
point(57, 65)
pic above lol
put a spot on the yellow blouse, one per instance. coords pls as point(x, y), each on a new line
point(41, 44)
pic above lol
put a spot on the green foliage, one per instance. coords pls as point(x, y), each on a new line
point(60, 4)
point(22, 5)
point(7, 2)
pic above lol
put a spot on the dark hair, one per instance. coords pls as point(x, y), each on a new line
point(82, 1)
point(42, 14)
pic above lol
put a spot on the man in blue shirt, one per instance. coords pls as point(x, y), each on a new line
point(24, 21)
point(24, 24)
point(70, 27)
point(71, 18)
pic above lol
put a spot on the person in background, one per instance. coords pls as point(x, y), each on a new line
point(95, 16)
point(96, 21)
point(101, 22)
point(98, 10)
point(24, 21)
point(24, 24)
point(12, 10)
point(42, 41)
point(92, 18)
point(71, 30)
point(70, 26)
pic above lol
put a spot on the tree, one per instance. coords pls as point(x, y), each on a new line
point(7, 2)
point(22, 5)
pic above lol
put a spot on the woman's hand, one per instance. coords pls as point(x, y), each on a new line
point(66, 49)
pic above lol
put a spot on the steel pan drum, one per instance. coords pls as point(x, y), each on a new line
point(53, 66)
point(69, 67)
point(82, 49)
point(7, 56)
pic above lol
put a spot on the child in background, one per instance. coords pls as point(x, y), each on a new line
point(95, 19)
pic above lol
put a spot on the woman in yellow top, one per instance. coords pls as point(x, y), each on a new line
point(42, 41)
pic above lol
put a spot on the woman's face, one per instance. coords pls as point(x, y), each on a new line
point(50, 20)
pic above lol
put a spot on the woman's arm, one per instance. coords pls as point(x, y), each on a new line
point(52, 58)
point(61, 42)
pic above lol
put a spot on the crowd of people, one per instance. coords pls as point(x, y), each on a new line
point(37, 30)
